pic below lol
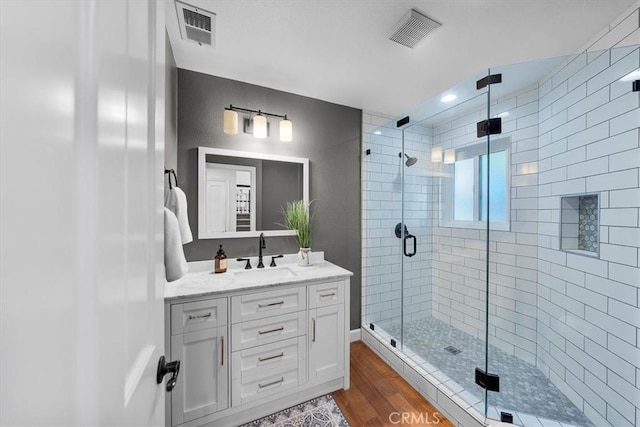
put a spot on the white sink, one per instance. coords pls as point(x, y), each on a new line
point(264, 274)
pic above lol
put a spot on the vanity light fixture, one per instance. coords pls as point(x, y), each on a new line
point(450, 156)
point(230, 123)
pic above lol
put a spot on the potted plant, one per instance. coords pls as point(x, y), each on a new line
point(297, 217)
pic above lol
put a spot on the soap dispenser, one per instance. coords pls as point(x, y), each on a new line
point(220, 261)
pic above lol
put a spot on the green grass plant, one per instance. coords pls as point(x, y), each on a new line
point(297, 217)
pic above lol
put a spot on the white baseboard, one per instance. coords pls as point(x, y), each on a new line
point(355, 335)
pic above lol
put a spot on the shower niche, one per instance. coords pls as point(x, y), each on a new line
point(580, 231)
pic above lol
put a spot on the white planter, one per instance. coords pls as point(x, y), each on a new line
point(304, 257)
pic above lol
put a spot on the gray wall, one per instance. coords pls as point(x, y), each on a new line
point(328, 134)
point(171, 110)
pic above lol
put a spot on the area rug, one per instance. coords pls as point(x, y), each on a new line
point(319, 412)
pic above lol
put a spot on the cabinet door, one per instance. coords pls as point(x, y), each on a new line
point(202, 386)
point(326, 342)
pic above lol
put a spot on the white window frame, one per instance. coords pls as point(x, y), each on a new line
point(448, 185)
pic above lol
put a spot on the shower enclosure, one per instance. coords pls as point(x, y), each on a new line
point(501, 243)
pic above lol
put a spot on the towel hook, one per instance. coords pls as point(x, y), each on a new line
point(171, 171)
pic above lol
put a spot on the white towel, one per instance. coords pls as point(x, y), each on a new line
point(176, 201)
point(175, 264)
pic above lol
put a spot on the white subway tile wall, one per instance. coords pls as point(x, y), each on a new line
point(577, 318)
point(600, 331)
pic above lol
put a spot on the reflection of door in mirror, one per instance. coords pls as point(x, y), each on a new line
point(245, 216)
point(229, 205)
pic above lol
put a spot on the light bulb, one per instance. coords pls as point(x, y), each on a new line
point(230, 122)
point(286, 130)
point(260, 126)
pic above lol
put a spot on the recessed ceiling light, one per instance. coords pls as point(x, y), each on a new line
point(503, 114)
point(377, 132)
point(448, 98)
point(634, 75)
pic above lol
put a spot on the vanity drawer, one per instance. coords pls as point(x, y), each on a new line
point(264, 331)
point(268, 359)
point(325, 294)
point(248, 389)
point(195, 316)
point(260, 305)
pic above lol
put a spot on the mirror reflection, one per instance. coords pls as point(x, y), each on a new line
point(241, 194)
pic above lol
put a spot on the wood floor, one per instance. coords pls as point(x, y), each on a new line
point(379, 396)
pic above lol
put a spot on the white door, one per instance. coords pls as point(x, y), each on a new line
point(221, 193)
point(81, 153)
point(220, 213)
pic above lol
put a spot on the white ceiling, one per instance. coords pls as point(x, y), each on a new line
point(339, 51)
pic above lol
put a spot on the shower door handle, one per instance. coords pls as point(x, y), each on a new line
point(415, 245)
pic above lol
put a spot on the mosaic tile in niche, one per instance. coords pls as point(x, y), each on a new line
point(588, 223)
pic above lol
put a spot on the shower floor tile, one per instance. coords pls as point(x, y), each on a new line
point(523, 387)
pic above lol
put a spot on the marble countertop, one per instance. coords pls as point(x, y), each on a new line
point(201, 281)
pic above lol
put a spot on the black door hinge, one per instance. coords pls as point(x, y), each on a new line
point(490, 382)
point(489, 127)
point(506, 417)
point(402, 122)
point(488, 80)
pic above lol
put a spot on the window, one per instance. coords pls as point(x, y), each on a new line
point(466, 185)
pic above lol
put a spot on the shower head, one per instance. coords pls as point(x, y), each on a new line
point(410, 160)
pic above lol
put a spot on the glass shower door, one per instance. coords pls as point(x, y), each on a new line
point(444, 281)
point(524, 174)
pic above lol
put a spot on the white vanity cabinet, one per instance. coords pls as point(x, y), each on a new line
point(248, 352)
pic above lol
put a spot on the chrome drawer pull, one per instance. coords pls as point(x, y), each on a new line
point(271, 304)
point(313, 338)
point(327, 295)
point(275, 356)
point(271, 383)
point(281, 328)
point(200, 316)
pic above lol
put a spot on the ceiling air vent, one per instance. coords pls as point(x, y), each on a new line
point(196, 24)
point(412, 28)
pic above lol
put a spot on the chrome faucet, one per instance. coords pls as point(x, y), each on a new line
point(262, 245)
